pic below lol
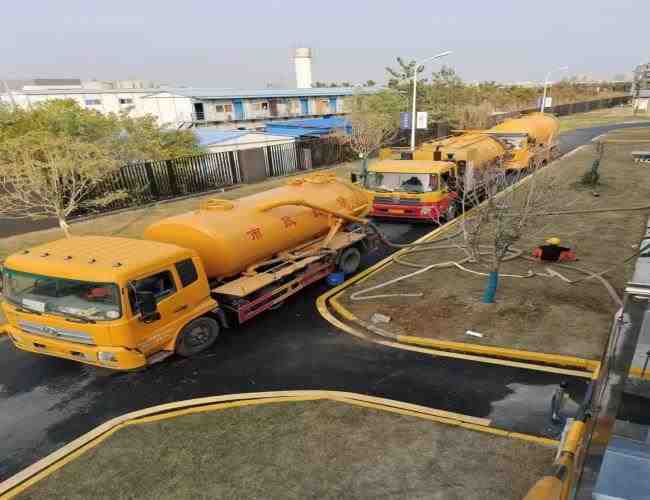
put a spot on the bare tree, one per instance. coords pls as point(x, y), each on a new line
point(372, 124)
point(43, 175)
point(506, 214)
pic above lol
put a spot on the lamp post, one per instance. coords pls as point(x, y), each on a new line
point(10, 94)
point(542, 106)
point(415, 84)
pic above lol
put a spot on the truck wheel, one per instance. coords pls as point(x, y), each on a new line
point(349, 260)
point(197, 336)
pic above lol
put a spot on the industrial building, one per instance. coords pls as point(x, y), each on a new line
point(229, 109)
point(226, 109)
point(188, 107)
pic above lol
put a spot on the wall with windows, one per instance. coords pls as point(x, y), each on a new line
point(104, 102)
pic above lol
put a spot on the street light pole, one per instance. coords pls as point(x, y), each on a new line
point(10, 94)
point(542, 106)
point(415, 85)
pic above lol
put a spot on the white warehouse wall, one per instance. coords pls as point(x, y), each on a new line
point(104, 102)
point(169, 108)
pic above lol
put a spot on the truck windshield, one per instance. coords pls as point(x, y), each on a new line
point(82, 300)
point(513, 141)
point(408, 183)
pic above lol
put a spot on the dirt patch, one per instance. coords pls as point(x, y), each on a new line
point(541, 314)
point(319, 449)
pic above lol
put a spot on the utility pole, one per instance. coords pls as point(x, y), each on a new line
point(542, 106)
point(415, 84)
point(10, 93)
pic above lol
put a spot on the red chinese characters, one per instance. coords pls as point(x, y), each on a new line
point(255, 233)
point(289, 221)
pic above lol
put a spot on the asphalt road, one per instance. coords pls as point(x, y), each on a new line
point(46, 402)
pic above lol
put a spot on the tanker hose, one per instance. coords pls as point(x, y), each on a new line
point(305, 203)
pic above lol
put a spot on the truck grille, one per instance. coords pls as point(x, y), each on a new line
point(397, 201)
point(55, 333)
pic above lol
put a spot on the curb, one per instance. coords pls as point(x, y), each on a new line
point(51, 463)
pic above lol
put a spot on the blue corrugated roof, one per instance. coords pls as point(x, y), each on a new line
point(330, 122)
point(206, 135)
point(297, 131)
point(308, 126)
point(213, 93)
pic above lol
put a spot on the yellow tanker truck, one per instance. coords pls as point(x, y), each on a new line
point(530, 141)
point(125, 303)
point(428, 186)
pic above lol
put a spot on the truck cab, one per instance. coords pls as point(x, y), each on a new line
point(111, 302)
point(411, 189)
point(530, 141)
point(520, 147)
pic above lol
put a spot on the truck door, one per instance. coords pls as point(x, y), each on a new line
point(149, 337)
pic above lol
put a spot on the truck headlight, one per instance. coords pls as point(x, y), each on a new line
point(426, 211)
point(106, 357)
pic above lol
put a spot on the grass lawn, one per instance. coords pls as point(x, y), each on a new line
point(607, 116)
point(541, 314)
point(296, 450)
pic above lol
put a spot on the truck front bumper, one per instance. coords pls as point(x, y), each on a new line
point(116, 358)
point(421, 211)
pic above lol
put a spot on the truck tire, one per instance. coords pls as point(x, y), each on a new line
point(349, 260)
point(197, 336)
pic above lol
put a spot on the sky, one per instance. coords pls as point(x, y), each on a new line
point(248, 44)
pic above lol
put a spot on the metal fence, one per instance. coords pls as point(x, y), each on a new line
point(149, 182)
point(317, 153)
point(281, 159)
point(284, 159)
point(152, 181)
point(583, 107)
point(569, 108)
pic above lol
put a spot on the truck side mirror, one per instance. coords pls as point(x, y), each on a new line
point(353, 177)
point(147, 307)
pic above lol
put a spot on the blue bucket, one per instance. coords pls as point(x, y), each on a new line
point(335, 279)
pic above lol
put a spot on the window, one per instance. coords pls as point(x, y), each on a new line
point(161, 285)
point(93, 102)
point(95, 301)
point(514, 142)
point(227, 108)
point(398, 182)
point(219, 108)
point(125, 100)
point(187, 272)
point(264, 106)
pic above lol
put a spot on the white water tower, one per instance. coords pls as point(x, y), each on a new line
point(302, 60)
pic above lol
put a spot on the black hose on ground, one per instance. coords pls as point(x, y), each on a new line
point(392, 244)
